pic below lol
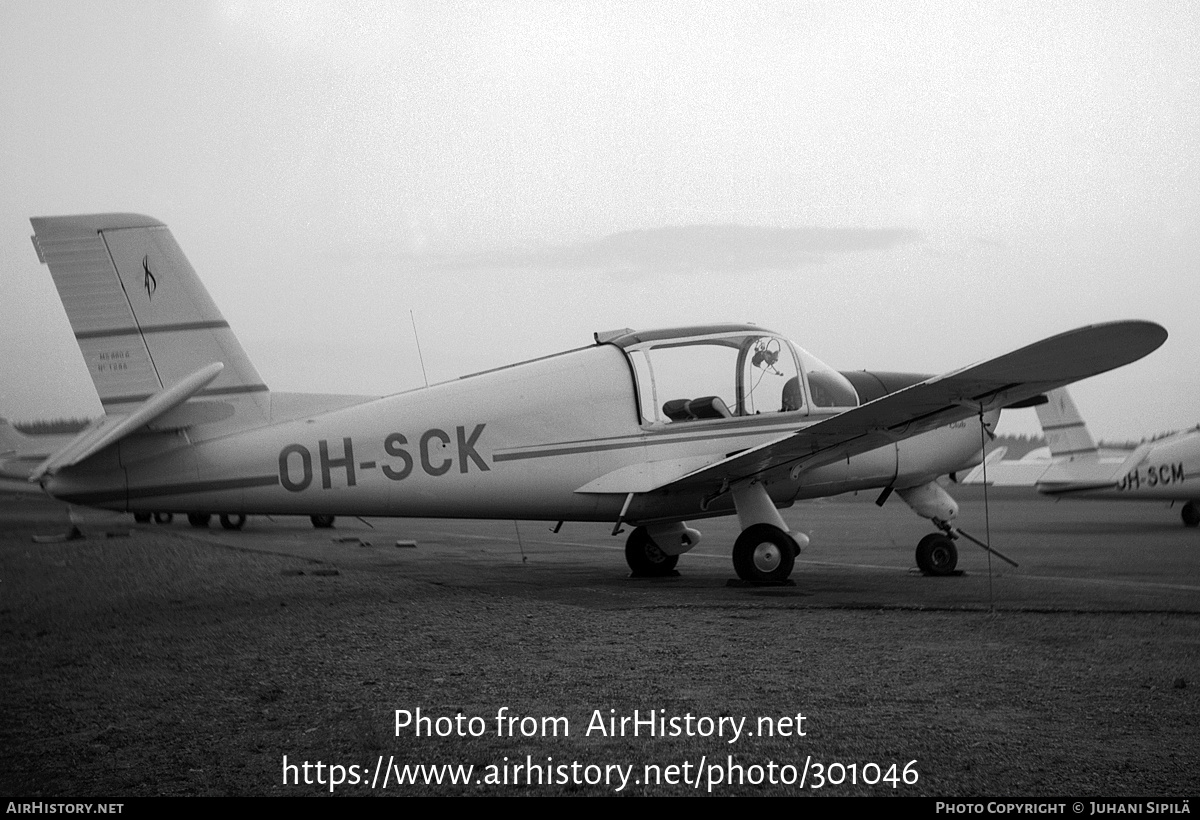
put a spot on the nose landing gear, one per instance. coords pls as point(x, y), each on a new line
point(645, 558)
point(937, 554)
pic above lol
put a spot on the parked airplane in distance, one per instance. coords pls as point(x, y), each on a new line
point(644, 428)
point(20, 454)
point(1167, 469)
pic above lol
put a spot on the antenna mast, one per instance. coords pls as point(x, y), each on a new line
point(424, 375)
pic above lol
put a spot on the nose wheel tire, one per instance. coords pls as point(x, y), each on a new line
point(764, 554)
point(1191, 514)
point(321, 522)
point(163, 518)
point(645, 558)
point(936, 554)
point(199, 520)
point(233, 522)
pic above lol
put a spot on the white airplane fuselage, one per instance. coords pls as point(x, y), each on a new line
point(1165, 470)
point(517, 442)
point(648, 427)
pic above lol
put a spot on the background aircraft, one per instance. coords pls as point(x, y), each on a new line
point(1167, 469)
point(20, 455)
point(648, 428)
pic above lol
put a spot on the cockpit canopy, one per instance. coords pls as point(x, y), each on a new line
point(727, 371)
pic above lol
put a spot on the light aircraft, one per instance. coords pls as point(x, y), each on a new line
point(643, 428)
point(1167, 469)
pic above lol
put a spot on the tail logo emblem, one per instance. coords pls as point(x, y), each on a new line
point(149, 281)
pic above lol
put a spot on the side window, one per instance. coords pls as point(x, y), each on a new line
point(693, 381)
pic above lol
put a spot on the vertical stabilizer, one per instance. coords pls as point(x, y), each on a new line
point(141, 317)
point(1065, 431)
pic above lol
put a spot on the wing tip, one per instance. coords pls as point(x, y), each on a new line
point(1152, 333)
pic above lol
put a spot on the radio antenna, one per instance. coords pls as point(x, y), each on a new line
point(424, 375)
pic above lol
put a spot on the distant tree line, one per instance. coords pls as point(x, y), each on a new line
point(50, 426)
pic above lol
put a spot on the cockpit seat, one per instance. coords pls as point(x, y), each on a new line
point(793, 399)
point(709, 407)
point(706, 407)
point(677, 410)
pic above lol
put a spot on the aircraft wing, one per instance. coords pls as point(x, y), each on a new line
point(936, 402)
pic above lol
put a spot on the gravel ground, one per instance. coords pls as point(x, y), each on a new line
point(157, 664)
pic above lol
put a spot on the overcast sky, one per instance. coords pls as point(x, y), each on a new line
point(905, 186)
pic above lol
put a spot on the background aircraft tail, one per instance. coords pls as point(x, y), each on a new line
point(11, 441)
point(21, 453)
point(1066, 433)
point(142, 318)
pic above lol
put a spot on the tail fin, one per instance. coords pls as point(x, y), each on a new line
point(1065, 431)
point(141, 317)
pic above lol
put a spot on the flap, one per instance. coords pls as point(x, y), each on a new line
point(646, 475)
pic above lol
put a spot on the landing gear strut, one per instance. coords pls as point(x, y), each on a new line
point(766, 551)
point(936, 553)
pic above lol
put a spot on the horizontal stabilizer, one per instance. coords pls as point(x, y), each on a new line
point(112, 429)
point(191, 414)
point(1065, 477)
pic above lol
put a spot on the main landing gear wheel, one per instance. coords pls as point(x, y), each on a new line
point(936, 554)
point(764, 554)
point(321, 522)
point(1191, 514)
point(199, 520)
point(644, 556)
point(164, 518)
point(233, 522)
point(142, 518)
